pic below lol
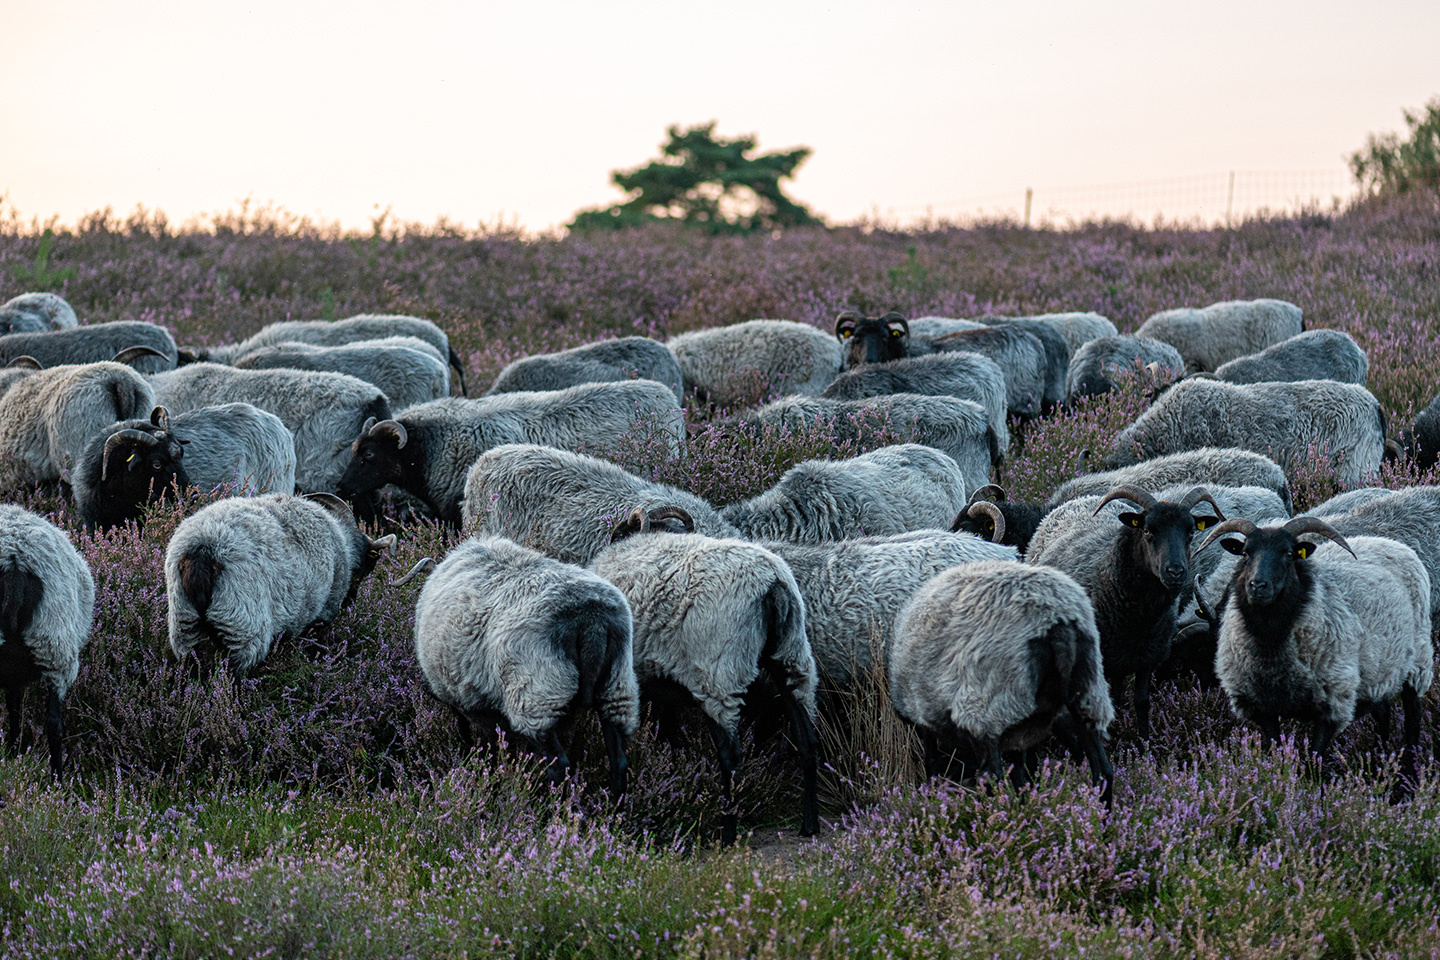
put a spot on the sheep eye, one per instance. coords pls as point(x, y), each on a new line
point(368, 456)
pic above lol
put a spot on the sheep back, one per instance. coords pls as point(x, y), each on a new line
point(1210, 336)
point(239, 444)
point(93, 343)
point(739, 365)
point(36, 313)
point(1097, 366)
point(1312, 355)
point(407, 370)
point(624, 358)
point(1220, 466)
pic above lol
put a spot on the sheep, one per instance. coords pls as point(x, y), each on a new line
point(1057, 352)
point(324, 411)
point(428, 449)
point(990, 515)
point(1078, 329)
point(1097, 366)
point(506, 637)
point(15, 371)
point(985, 657)
point(1422, 441)
point(871, 340)
point(739, 365)
point(1312, 355)
point(1347, 501)
point(891, 490)
point(1134, 572)
point(48, 416)
point(47, 606)
point(1020, 355)
point(1204, 466)
point(959, 428)
point(92, 344)
point(407, 370)
point(1287, 421)
point(134, 462)
point(36, 313)
point(1210, 336)
point(967, 376)
point(240, 571)
point(710, 616)
point(565, 504)
point(1310, 633)
point(625, 358)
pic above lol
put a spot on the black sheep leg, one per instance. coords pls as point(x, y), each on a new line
point(990, 760)
point(619, 765)
point(55, 730)
point(727, 752)
point(805, 744)
point(1381, 713)
point(558, 762)
point(1269, 731)
point(1101, 773)
point(467, 734)
point(936, 759)
point(1321, 737)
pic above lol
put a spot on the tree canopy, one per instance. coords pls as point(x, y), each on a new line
point(1391, 165)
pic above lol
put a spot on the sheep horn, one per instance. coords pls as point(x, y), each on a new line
point(160, 417)
point(365, 428)
point(424, 566)
point(118, 437)
point(1127, 491)
point(851, 316)
point(993, 512)
point(1201, 605)
point(1234, 525)
point(1200, 495)
point(332, 503)
point(1190, 632)
point(637, 522)
point(1318, 527)
point(391, 428)
point(129, 355)
point(895, 316)
point(991, 491)
point(674, 513)
point(26, 362)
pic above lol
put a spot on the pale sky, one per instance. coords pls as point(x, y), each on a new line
point(479, 110)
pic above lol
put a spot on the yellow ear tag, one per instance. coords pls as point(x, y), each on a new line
point(1134, 521)
point(129, 458)
point(1303, 552)
point(1200, 524)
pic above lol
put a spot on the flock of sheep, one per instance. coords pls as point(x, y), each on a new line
point(997, 624)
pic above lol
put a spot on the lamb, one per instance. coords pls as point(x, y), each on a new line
point(710, 616)
point(428, 449)
point(985, 657)
point(1287, 421)
point(1097, 366)
point(888, 491)
point(47, 606)
point(407, 370)
point(324, 411)
point(92, 344)
point(241, 571)
point(625, 358)
point(967, 376)
point(1210, 336)
point(566, 504)
point(1205, 466)
point(739, 365)
point(990, 515)
point(1310, 633)
point(506, 637)
point(47, 417)
point(1312, 355)
point(36, 313)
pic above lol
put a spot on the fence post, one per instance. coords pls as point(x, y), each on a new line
point(1229, 199)
point(1028, 194)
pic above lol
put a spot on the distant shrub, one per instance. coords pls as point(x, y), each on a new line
point(1391, 165)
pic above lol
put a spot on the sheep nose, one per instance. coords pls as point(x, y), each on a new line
point(1258, 589)
point(1174, 572)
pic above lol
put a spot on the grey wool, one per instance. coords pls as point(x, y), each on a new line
point(1078, 328)
point(887, 491)
point(966, 376)
point(1312, 355)
point(624, 358)
point(242, 571)
point(1287, 421)
point(36, 313)
point(741, 364)
point(48, 416)
point(1210, 336)
point(1030, 386)
point(1221, 466)
point(407, 370)
point(1410, 516)
point(1057, 353)
point(93, 343)
point(324, 411)
point(925, 329)
point(1098, 365)
point(565, 504)
point(1347, 501)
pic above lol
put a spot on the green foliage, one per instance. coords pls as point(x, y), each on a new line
point(910, 276)
point(40, 276)
point(718, 185)
point(1389, 165)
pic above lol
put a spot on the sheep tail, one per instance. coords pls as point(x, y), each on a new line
point(592, 657)
point(199, 571)
point(784, 620)
point(459, 370)
point(20, 594)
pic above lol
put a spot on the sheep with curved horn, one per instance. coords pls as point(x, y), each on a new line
point(1020, 520)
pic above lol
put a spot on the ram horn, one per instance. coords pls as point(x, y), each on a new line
point(24, 362)
point(391, 428)
point(847, 316)
point(1234, 525)
point(332, 503)
point(424, 566)
point(985, 508)
point(894, 316)
point(674, 513)
point(1302, 525)
point(637, 522)
point(992, 492)
point(1189, 633)
point(365, 427)
point(115, 439)
point(129, 355)
point(1127, 491)
point(1205, 612)
point(160, 417)
point(1199, 495)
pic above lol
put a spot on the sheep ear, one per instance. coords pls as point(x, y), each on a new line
point(845, 324)
point(1303, 551)
point(1234, 546)
point(1136, 520)
point(1202, 522)
point(382, 545)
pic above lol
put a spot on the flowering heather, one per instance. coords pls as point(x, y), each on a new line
point(322, 808)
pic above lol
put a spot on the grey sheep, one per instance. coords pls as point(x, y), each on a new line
point(92, 344)
point(15, 371)
point(36, 313)
point(1210, 336)
point(1312, 355)
point(565, 504)
point(47, 606)
point(1221, 466)
point(48, 416)
point(1097, 366)
point(242, 571)
point(625, 358)
point(1421, 441)
point(1030, 386)
point(1057, 353)
point(428, 449)
point(711, 617)
point(407, 370)
point(741, 364)
point(928, 328)
point(506, 637)
point(1078, 328)
point(966, 376)
point(1347, 501)
point(891, 490)
point(324, 411)
point(1290, 422)
point(985, 658)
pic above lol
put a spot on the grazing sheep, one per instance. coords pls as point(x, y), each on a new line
point(625, 358)
point(47, 605)
point(966, 376)
point(1097, 366)
point(985, 657)
point(428, 449)
point(324, 411)
point(710, 617)
point(1030, 387)
point(739, 365)
point(241, 571)
point(565, 504)
point(1312, 355)
point(36, 313)
point(92, 344)
point(1287, 421)
point(1210, 336)
point(1220, 466)
point(407, 370)
point(1422, 441)
point(506, 637)
point(48, 416)
point(990, 515)
point(888, 491)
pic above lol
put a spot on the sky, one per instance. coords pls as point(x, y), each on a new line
point(516, 112)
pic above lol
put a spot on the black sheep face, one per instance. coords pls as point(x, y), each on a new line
point(1163, 538)
point(136, 475)
point(872, 339)
point(376, 461)
point(1270, 565)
